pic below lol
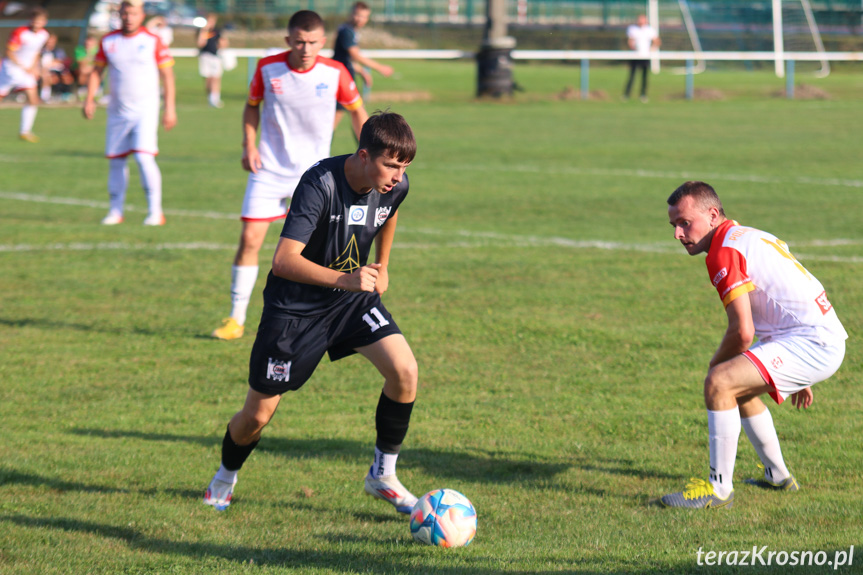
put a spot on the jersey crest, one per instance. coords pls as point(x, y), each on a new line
point(349, 260)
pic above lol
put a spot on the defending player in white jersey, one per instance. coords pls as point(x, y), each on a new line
point(767, 294)
point(136, 60)
point(20, 69)
point(292, 98)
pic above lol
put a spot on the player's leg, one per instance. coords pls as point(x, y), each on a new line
point(241, 438)
point(628, 89)
point(758, 425)
point(28, 115)
point(215, 92)
point(644, 66)
point(393, 358)
point(118, 182)
point(151, 182)
point(725, 383)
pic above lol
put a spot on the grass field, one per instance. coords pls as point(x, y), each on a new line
point(562, 336)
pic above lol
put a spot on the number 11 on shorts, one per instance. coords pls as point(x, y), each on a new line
point(375, 325)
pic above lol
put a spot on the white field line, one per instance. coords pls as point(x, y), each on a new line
point(462, 239)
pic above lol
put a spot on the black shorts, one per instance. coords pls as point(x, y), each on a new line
point(288, 348)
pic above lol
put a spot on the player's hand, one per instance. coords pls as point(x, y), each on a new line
point(383, 280)
point(367, 78)
point(386, 71)
point(169, 119)
point(89, 109)
point(362, 280)
point(251, 159)
point(803, 399)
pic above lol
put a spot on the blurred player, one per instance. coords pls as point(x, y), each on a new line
point(768, 294)
point(136, 60)
point(20, 68)
point(641, 39)
point(347, 50)
point(292, 98)
point(211, 43)
point(323, 296)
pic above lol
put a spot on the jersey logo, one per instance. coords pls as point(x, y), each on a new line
point(278, 370)
point(321, 89)
point(823, 303)
point(276, 85)
point(349, 260)
point(381, 215)
point(718, 277)
point(357, 215)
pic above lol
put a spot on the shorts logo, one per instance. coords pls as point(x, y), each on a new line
point(719, 277)
point(776, 362)
point(279, 370)
point(276, 85)
point(357, 215)
point(823, 303)
point(381, 215)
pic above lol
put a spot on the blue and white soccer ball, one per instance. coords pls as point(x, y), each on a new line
point(444, 517)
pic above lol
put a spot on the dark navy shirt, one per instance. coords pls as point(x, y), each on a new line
point(347, 38)
point(338, 227)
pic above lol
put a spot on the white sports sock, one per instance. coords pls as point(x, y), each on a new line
point(45, 93)
point(151, 181)
point(118, 181)
point(384, 464)
point(762, 433)
point(28, 117)
point(226, 475)
point(243, 280)
point(215, 98)
point(724, 429)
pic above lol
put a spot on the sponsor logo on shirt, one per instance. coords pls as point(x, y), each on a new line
point(321, 89)
point(823, 303)
point(276, 85)
point(357, 215)
point(279, 370)
point(381, 215)
point(718, 277)
point(337, 218)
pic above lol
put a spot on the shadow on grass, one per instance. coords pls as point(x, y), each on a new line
point(55, 325)
point(11, 476)
point(359, 560)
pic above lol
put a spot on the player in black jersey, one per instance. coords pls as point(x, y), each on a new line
point(323, 296)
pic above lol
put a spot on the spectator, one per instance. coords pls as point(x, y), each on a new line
point(210, 41)
point(641, 39)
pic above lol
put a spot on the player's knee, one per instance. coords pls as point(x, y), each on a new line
point(716, 384)
point(407, 373)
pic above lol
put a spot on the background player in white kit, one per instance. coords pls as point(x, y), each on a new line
point(292, 98)
point(136, 60)
point(767, 293)
point(20, 69)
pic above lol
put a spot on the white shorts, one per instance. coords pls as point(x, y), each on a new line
point(792, 364)
point(125, 136)
point(267, 196)
point(14, 78)
point(209, 65)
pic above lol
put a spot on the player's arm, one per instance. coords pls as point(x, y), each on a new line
point(251, 120)
point(169, 116)
point(93, 84)
point(357, 56)
point(358, 118)
point(740, 332)
point(289, 263)
point(383, 245)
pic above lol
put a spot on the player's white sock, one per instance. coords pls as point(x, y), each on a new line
point(151, 181)
point(118, 181)
point(724, 429)
point(762, 433)
point(45, 93)
point(28, 117)
point(226, 475)
point(384, 464)
point(243, 280)
point(215, 98)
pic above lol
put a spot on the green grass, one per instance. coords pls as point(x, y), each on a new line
point(560, 383)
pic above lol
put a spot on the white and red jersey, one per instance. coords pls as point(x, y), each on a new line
point(26, 45)
point(133, 68)
point(298, 110)
point(786, 299)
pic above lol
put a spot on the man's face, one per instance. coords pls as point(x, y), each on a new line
point(132, 17)
point(360, 17)
point(642, 21)
point(38, 23)
point(383, 172)
point(693, 224)
point(305, 47)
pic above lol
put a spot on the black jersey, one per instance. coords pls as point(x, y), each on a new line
point(338, 227)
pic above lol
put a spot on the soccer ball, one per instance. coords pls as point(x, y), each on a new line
point(443, 517)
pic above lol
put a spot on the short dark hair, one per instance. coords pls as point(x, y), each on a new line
point(703, 193)
point(305, 20)
point(38, 11)
point(360, 5)
point(388, 132)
